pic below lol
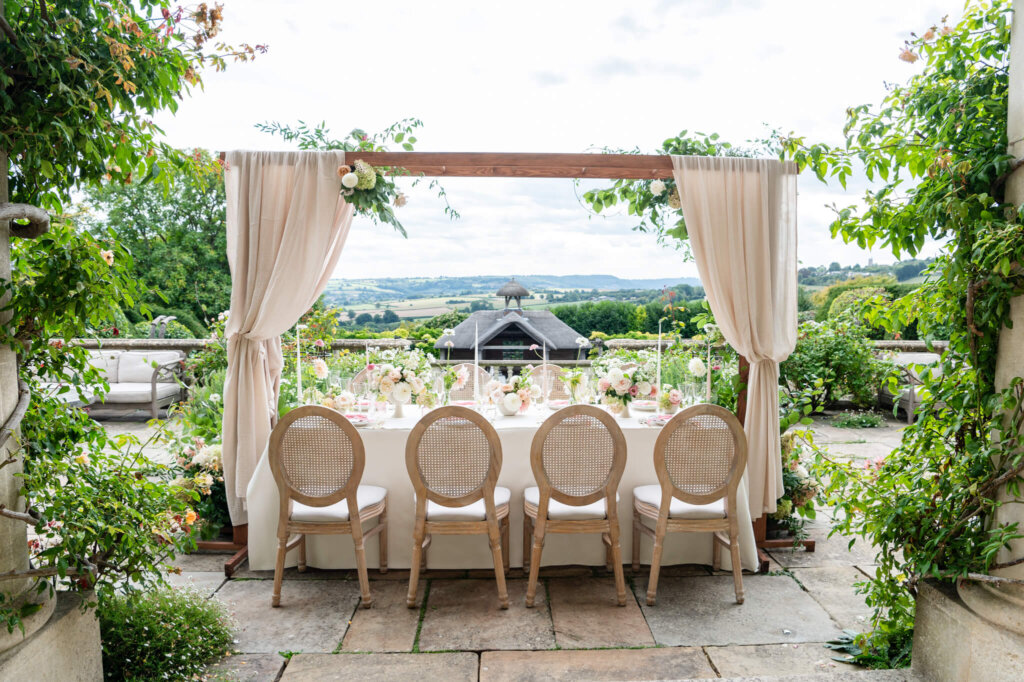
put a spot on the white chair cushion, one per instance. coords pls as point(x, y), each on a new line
point(677, 509)
point(567, 512)
point(138, 392)
point(366, 496)
point(138, 365)
point(476, 511)
point(106, 362)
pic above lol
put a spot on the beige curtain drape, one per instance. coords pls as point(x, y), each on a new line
point(286, 226)
point(741, 219)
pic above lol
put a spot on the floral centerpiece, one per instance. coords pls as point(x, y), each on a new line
point(670, 399)
point(621, 379)
point(455, 379)
point(402, 376)
point(514, 396)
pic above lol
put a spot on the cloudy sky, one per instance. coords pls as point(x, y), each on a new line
point(552, 77)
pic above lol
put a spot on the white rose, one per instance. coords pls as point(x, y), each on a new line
point(512, 402)
point(615, 375)
point(402, 392)
point(644, 387)
point(621, 386)
point(657, 188)
point(417, 385)
point(387, 385)
point(697, 367)
point(395, 375)
point(349, 180)
point(801, 471)
point(344, 401)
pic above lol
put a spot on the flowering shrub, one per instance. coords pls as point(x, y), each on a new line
point(165, 634)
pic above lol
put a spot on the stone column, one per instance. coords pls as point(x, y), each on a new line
point(1004, 605)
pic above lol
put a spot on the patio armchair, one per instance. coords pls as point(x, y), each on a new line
point(578, 456)
point(317, 459)
point(700, 457)
point(454, 457)
point(141, 377)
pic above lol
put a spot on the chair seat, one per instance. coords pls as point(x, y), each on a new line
point(567, 512)
point(476, 511)
point(366, 496)
point(677, 509)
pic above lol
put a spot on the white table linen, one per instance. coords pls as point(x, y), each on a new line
point(385, 467)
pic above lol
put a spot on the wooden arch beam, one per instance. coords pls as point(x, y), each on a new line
point(520, 165)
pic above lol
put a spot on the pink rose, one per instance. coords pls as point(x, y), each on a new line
point(319, 343)
point(654, 391)
point(675, 396)
point(634, 391)
point(371, 367)
point(603, 385)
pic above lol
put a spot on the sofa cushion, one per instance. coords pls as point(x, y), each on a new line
point(137, 366)
point(139, 392)
point(106, 361)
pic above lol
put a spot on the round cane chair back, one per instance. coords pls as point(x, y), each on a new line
point(578, 453)
point(316, 456)
point(359, 382)
point(453, 456)
point(557, 390)
point(702, 453)
point(476, 376)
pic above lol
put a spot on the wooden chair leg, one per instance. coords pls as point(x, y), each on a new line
point(423, 554)
point(608, 561)
point(506, 531)
point(414, 565)
point(652, 583)
point(527, 536)
point(737, 568)
point(382, 539)
point(636, 540)
point(364, 579)
point(302, 554)
point(538, 548)
point(716, 552)
point(494, 536)
point(282, 549)
point(616, 554)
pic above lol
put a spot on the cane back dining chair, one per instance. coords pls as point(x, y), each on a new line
point(550, 377)
point(358, 384)
point(700, 457)
point(578, 456)
point(454, 457)
point(317, 459)
point(476, 375)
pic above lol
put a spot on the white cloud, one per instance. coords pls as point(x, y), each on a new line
point(546, 76)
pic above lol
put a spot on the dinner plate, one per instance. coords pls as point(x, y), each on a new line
point(658, 420)
point(358, 420)
point(557, 404)
point(645, 405)
point(464, 403)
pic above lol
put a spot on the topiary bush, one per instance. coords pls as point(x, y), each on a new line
point(166, 634)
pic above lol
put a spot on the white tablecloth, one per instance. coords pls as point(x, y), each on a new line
point(385, 466)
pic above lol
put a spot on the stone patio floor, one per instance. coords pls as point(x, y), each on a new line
point(696, 631)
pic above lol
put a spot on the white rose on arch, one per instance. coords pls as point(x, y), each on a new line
point(657, 188)
point(349, 180)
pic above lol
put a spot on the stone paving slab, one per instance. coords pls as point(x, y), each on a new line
point(245, 668)
point(313, 615)
point(389, 625)
point(450, 667)
point(703, 611)
point(246, 573)
point(465, 615)
point(203, 582)
point(202, 562)
point(774, 659)
point(828, 551)
point(832, 587)
point(586, 614)
point(602, 664)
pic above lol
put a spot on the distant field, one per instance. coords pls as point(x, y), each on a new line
point(422, 308)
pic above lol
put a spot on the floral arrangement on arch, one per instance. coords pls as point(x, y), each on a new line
point(403, 376)
point(801, 488)
point(516, 395)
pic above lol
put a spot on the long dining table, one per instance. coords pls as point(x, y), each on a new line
point(385, 442)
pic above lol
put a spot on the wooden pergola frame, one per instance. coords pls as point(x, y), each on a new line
point(546, 165)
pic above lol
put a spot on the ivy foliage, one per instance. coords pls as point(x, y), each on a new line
point(80, 81)
point(936, 149)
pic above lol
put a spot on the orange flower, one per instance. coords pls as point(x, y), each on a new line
point(908, 56)
point(343, 171)
point(191, 517)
